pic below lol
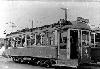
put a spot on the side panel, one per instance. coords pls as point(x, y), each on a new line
point(95, 54)
point(36, 51)
point(85, 58)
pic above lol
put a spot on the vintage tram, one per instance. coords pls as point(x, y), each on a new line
point(62, 43)
point(95, 45)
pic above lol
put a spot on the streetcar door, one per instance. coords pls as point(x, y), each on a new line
point(74, 35)
point(63, 45)
point(68, 44)
point(84, 48)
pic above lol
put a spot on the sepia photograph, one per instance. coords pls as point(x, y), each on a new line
point(49, 34)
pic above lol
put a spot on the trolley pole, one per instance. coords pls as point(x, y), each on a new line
point(32, 23)
point(12, 25)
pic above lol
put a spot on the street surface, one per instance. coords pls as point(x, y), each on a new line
point(6, 63)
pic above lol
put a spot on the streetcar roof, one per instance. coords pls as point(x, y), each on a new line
point(68, 24)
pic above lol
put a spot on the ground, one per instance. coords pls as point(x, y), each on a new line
point(6, 63)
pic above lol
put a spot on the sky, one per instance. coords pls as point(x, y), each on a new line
point(21, 13)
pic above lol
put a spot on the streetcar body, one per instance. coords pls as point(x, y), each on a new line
point(66, 43)
point(95, 45)
point(43, 52)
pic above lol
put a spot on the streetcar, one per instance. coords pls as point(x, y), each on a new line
point(65, 43)
point(95, 45)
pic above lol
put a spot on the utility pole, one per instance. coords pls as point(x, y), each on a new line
point(32, 23)
point(65, 9)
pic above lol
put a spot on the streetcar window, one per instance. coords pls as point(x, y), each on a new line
point(28, 37)
point(51, 38)
point(92, 38)
point(13, 42)
point(32, 39)
point(38, 39)
point(9, 42)
point(23, 40)
point(97, 39)
point(63, 40)
point(85, 38)
point(28, 40)
point(18, 42)
point(63, 37)
point(44, 40)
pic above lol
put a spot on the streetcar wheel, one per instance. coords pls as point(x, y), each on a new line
point(38, 62)
point(47, 64)
point(42, 62)
point(13, 58)
point(20, 60)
